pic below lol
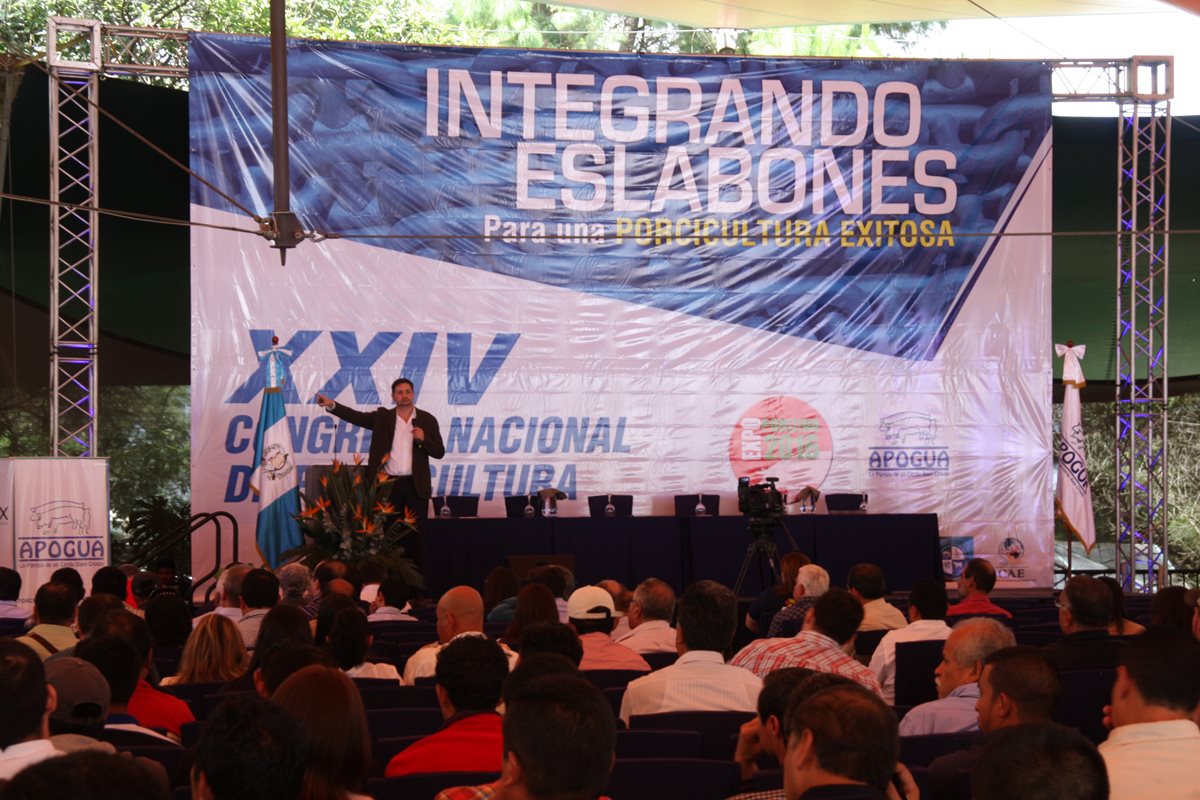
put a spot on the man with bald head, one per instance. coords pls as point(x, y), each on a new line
point(459, 613)
point(649, 615)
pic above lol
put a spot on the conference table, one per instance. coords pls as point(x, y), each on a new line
point(680, 550)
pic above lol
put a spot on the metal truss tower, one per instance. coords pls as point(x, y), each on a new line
point(79, 53)
point(83, 51)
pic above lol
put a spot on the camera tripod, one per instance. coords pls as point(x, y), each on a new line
point(762, 545)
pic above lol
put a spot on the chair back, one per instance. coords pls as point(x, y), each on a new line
point(622, 504)
point(394, 696)
point(425, 785)
point(659, 744)
point(660, 660)
point(922, 750)
point(718, 729)
point(12, 627)
point(611, 678)
point(1085, 693)
point(915, 663)
point(695, 779)
point(865, 642)
point(389, 723)
point(685, 504)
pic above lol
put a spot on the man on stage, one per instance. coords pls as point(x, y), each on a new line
point(408, 437)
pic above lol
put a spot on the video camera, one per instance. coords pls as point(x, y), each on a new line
point(760, 500)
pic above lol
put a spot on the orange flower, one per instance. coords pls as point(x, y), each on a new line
point(358, 512)
point(358, 479)
point(383, 507)
point(310, 512)
point(386, 456)
point(325, 481)
point(410, 516)
point(357, 459)
point(337, 466)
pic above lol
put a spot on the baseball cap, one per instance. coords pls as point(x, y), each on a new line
point(83, 693)
point(591, 602)
point(1192, 598)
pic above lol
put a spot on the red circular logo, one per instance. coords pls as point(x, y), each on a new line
point(785, 438)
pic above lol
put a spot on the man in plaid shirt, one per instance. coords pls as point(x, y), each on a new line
point(820, 646)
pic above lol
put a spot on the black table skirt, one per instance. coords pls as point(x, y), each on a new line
point(680, 550)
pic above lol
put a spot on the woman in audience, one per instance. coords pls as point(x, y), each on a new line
point(169, 619)
point(535, 603)
point(779, 595)
point(329, 708)
point(329, 608)
point(283, 626)
point(1168, 608)
point(1119, 625)
point(499, 585)
point(214, 653)
point(348, 642)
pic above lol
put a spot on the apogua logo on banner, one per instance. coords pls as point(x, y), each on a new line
point(910, 447)
point(785, 438)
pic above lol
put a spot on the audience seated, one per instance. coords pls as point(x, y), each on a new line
point(251, 749)
point(89, 775)
point(470, 674)
point(295, 584)
point(1018, 686)
point(53, 612)
point(170, 620)
point(1084, 614)
point(229, 593)
point(348, 642)
point(329, 709)
point(391, 602)
point(1120, 626)
point(957, 676)
point(841, 743)
point(978, 578)
point(700, 680)
point(1169, 607)
point(868, 586)
point(331, 605)
point(649, 617)
point(591, 613)
point(828, 631)
point(284, 625)
point(499, 585)
point(771, 601)
point(123, 668)
point(25, 709)
point(1154, 748)
point(81, 705)
point(622, 597)
point(260, 593)
point(10, 594)
point(811, 582)
point(766, 734)
point(285, 661)
point(1041, 761)
point(551, 638)
point(459, 613)
point(214, 653)
point(331, 576)
point(548, 575)
point(111, 581)
point(559, 742)
point(151, 707)
point(927, 622)
point(534, 604)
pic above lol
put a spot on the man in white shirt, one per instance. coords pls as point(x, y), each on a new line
point(10, 593)
point(700, 680)
point(867, 584)
point(25, 712)
point(927, 604)
point(229, 593)
point(259, 594)
point(459, 613)
point(1154, 748)
point(391, 602)
point(649, 616)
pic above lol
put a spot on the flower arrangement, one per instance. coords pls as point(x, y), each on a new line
point(352, 521)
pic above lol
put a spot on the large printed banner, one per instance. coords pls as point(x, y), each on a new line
point(611, 273)
point(59, 518)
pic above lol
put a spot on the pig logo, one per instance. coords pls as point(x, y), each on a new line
point(60, 514)
point(899, 427)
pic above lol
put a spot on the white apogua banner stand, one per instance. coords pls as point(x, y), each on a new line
point(53, 514)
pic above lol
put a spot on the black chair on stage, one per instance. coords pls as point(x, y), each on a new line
point(459, 506)
point(685, 504)
point(915, 663)
point(425, 784)
point(515, 505)
point(622, 505)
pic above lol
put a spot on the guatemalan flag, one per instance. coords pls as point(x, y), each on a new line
point(274, 476)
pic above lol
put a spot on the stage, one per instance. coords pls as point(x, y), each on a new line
point(680, 550)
